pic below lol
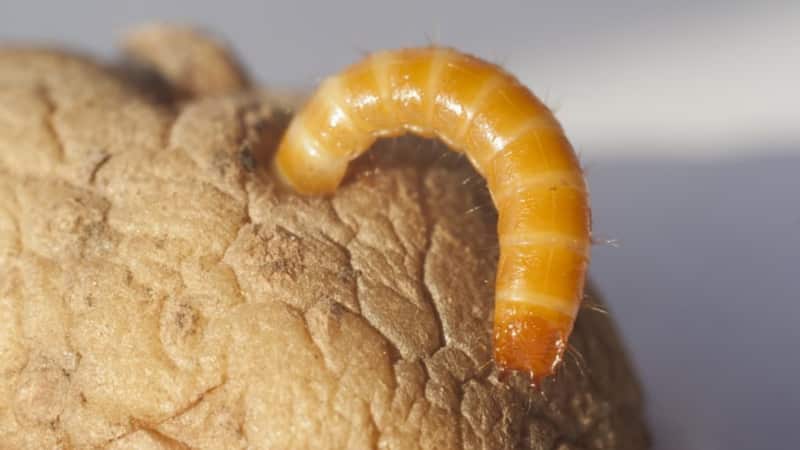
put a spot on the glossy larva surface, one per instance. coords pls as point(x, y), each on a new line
point(512, 139)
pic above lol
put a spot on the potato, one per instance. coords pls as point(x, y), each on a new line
point(158, 289)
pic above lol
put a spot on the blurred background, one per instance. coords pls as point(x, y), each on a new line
point(686, 117)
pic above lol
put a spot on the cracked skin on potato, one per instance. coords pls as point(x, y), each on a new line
point(158, 290)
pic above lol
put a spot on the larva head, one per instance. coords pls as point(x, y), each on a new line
point(530, 338)
point(303, 166)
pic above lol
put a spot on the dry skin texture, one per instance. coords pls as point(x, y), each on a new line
point(158, 290)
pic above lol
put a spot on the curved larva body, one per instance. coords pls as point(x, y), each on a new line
point(512, 139)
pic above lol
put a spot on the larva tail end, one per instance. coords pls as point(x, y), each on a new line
point(530, 338)
point(310, 173)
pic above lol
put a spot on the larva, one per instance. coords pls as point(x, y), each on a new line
point(510, 137)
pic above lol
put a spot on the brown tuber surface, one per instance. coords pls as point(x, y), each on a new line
point(159, 291)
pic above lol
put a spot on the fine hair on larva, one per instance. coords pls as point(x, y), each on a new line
point(513, 141)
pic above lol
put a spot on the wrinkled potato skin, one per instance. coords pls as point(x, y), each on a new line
point(158, 290)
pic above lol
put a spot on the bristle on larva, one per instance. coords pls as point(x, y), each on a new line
point(510, 137)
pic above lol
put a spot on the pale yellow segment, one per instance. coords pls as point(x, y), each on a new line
point(505, 189)
point(556, 209)
point(361, 94)
point(331, 96)
point(462, 81)
point(439, 58)
point(530, 125)
point(379, 63)
point(474, 107)
point(579, 245)
point(503, 112)
point(301, 164)
point(568, 307)
point(547, 269)
point(533, 124)
point(408, 74)
point(534, 152)
point(327, 120)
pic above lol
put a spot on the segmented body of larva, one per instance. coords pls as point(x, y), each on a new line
point(510, 137)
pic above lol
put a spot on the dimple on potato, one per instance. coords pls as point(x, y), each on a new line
point(159, 289)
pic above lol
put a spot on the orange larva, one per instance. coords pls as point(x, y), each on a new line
point(510, 137)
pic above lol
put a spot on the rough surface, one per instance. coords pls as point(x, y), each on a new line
point(192, 61)
point(159, 291)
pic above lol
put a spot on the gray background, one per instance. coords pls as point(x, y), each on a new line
point(686, 117)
